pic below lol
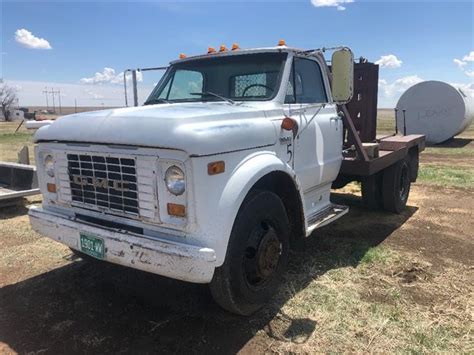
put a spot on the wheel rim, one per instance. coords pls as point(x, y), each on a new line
point(404, 183)
point(262, 255)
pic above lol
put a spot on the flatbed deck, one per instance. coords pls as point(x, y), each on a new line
point(391, 149)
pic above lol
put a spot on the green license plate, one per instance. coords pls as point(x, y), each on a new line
point(92, 246)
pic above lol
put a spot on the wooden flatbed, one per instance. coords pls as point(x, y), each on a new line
point(391, 150)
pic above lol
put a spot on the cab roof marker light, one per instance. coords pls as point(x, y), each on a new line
point(182, 56)
point(235, 46)
point(281, 42)
point(211, 50)
point(223, 48)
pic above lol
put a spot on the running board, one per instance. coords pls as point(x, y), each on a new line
point(326, 216)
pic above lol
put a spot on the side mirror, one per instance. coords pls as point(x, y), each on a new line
point(342, 63)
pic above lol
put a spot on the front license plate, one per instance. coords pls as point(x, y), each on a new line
point(92, 245)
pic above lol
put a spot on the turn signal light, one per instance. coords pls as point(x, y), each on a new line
point(235, 46)
point(223, 48)
point(288, 124)
point(281, 42)
point(182, 56)
point(176, 210)
point(51, 187)
point(211, 50)
point(216, 167)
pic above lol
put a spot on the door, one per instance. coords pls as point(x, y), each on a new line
point(317, 148)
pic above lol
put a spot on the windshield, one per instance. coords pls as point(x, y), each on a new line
point(234, 77)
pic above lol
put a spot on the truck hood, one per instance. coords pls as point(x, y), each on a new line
point(202, 128)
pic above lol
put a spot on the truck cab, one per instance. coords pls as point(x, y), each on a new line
point(229, 161)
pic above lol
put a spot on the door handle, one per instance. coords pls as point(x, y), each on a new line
point(336, 119)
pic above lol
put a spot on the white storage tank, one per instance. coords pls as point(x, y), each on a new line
point(436, 109)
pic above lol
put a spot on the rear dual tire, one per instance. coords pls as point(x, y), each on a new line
point(388, 189)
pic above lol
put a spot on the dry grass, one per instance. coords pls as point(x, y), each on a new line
point(379, 306)
point(11, 143)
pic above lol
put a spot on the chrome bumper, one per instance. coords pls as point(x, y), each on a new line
point(175, 260)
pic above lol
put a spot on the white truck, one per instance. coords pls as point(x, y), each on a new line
point(229, 161)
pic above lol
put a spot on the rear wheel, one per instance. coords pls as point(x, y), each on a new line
point(257, 255)
point(371, 188)
point(396, 186)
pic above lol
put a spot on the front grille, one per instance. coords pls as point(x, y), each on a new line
point(105, 182)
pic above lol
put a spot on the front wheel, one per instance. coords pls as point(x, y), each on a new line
point(256, 257)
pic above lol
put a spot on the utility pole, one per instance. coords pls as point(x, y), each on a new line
point(135, 93)
point(54, 93)
point(54, 106)
point(59, 96)
point(75, 105)
point(45, 91)
point(125, 86)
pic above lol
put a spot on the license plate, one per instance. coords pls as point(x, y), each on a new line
point(92, 245)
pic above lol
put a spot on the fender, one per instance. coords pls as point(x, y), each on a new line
point(243, 178)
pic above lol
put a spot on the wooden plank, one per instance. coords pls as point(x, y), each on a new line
point(399, 142)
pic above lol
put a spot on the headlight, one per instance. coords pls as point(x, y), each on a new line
point(49, 165)
point(174, 178)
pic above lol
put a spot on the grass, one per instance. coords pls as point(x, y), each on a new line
point(441, 175)
point(467, 151)
point(11, 142)
point(377, 255)
point(367, 308)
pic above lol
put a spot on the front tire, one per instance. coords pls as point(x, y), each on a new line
point(257, 255)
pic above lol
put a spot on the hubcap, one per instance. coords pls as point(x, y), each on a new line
point(262, 254)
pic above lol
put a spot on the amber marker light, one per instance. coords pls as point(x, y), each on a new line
point(216, 167)
point(235, 46)
point(211, 50)
point(222, 48)
point(281, 42)
point(176, 210)
point(51, 187)
point(182, 56)
point(288, 124)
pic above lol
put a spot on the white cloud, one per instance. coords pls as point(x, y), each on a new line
point(459, 63)
point(109, 76)
point(29, 40)
point(389, 61)
point(390, 90)
point(469, 57)
point(339, 4)
point(469, 73)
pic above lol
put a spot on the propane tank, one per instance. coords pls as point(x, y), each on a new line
point(436, 109)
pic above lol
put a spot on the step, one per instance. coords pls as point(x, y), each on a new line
point(325, 216)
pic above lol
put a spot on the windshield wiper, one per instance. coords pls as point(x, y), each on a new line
point(208, 93)
point(156, 101)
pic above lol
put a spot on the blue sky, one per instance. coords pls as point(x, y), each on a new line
point(423, 39)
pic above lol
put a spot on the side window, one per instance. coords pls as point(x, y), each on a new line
point(183, 84)
point(306, 84)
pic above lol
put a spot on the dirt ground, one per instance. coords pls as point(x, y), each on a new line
point(370, 282)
